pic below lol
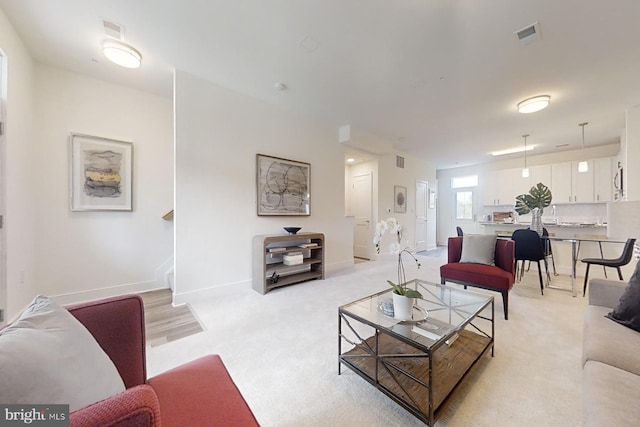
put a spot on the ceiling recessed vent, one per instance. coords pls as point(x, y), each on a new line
point(400, 162)
point(529, 34)
point(112, 29)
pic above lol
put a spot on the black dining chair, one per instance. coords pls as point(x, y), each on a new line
point(622, 260)
point(459, 231)
point(529, 247)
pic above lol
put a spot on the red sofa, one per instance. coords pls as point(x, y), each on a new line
point(499, 277)
point(199, 393)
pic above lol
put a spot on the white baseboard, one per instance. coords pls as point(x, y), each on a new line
point(242, 286)
point(112, 291)
point(210, 292)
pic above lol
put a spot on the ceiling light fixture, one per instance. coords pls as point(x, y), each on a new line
point(511, 151)
point(583, 166)
point(525, 171)
point(121, 53)
point(350, 160)
point(531, 105)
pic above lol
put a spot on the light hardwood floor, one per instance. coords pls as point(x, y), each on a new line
point(165, 322)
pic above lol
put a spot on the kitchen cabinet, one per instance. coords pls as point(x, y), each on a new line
point(538, 173)
point(500, 187)
point(582, 183)
point(603, 179)
point(489, 185)
point(569, 185)
point(561, 183)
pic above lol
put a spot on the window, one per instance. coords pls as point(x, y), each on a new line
point(464, 205)
point(464, 181)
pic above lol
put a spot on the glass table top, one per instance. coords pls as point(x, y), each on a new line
point(441, 312)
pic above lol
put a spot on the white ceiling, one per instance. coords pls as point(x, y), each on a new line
point(438, 78)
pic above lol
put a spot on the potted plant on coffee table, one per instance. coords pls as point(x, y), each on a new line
point(403, 297)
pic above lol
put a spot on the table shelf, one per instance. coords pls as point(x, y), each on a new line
point(266, 263)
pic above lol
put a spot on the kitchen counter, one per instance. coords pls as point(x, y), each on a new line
point(546, 224)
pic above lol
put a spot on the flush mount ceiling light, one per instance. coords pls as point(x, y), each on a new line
point(531, 105)
point(121, 53)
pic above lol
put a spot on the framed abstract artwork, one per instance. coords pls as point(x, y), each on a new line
point(100, 173)
point(283, 186)
point(399, 198)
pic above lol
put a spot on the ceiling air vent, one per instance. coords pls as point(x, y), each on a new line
point(113, 30)
point(400, 162)
point(529, 34)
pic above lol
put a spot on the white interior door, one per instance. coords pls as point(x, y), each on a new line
point(362, 235)
point(421, 215)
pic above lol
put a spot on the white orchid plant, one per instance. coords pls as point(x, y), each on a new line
point(393, 226)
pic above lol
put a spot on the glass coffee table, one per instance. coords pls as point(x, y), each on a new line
point(417, 362)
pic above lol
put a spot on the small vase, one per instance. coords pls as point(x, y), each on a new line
point(536, 221)
point(402, 307)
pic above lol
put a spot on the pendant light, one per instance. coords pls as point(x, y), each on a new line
point(525, 171)
point(583, 166)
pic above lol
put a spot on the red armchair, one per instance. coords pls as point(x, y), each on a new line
point(499, 277)
point(199, 393)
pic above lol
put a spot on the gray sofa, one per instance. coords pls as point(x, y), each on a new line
point(611, 361)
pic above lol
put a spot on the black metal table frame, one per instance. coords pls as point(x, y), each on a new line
point(425, 352)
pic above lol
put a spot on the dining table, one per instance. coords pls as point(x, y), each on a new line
point(575, 243)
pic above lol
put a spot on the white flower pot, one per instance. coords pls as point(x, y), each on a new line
point(402, 307)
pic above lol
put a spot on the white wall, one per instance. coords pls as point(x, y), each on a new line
point(18, 178)
point(632, 154)
point(390, 175)
point(85, 255)
point(218, 134)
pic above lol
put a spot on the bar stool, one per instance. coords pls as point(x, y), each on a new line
point(624, 259)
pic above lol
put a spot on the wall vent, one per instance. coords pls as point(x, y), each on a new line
point(400, 162)
point(112, 29)
point(528, 34)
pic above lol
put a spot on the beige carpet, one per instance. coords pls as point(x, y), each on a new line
point(281, 349)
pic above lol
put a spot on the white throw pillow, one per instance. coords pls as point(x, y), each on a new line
point(479, 248)
point(48, 357)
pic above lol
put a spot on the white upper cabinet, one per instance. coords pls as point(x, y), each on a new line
point(509, 186)
point(539, 173)
point(489, 185)
point(567, 184)
point(500, 187)
point(561, 183)
point(582, 182)
point(603, 179)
